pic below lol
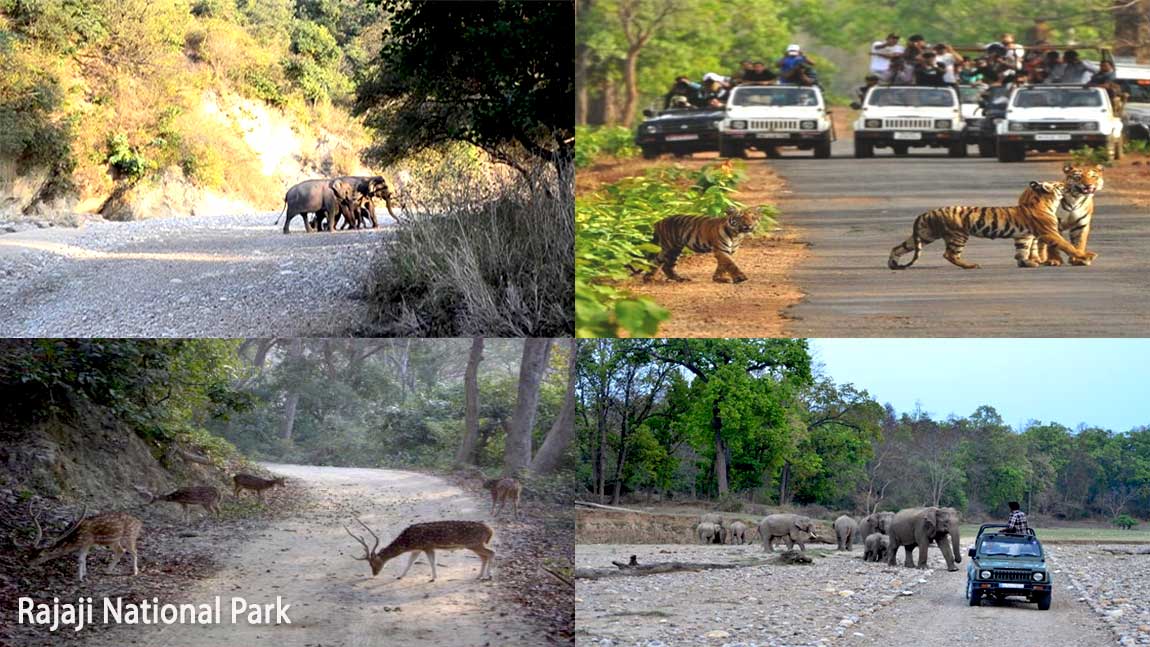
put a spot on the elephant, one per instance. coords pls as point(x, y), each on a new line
point(708, 532)
point(875, 522)
point(325, 198)
point(717, 519)
point(792, 528)
point(846, 529)
point(921, 526)
point(738, 532)
point(368, 188)
point(875, 547)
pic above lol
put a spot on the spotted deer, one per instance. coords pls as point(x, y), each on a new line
point(115, 530)
point(502, 491)
point(205, 496)
point(426, 538)
point(256, 484)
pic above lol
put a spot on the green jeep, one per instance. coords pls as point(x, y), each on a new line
point(1006, 565)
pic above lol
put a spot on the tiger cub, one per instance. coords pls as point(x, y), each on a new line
point(1034, 216)
point(702, 234)
point(1075, 212)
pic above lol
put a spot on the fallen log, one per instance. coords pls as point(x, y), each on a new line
point(650, 569)
point(1141, 550)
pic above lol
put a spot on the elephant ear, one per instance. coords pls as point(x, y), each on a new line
point(930, 520)
point(342, 189)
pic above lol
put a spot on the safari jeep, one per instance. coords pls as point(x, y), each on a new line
point(768, 117)
point(1006, 565)
point(1135, 83)
point(905, 117)
point(679, 131)
point(1058, 118)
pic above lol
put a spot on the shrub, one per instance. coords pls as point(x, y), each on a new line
point(592, 142)
point(1125, 522)
point(126, 159)
point(1140, 146)
point(1089, 155)
point(729, 503)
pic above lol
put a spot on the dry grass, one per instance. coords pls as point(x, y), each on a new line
point(495, 258)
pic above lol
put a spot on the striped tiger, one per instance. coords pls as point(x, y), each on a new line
point(702, 234)
point(1034, 216)
point(1075, 212)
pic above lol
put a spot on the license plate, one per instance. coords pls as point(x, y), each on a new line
point(1011, 586)
point(1052, 138)
point(908, 136)
point(773, 135)
point(681, 138)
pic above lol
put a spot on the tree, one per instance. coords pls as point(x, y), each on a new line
point(517, 449)
point(498, 75)
point(550, 453)
point(466, 453)
point(639, 20)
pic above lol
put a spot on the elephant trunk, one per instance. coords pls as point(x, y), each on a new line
point(387, 203)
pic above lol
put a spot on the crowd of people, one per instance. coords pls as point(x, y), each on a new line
point(1002, 63)
point(794, 68)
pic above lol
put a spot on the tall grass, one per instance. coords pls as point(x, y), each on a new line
point(487, 254)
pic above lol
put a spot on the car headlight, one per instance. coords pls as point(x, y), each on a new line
point(808, 124)
point(650, 129)
point(942, 124)
point(1016, 126)
point(984, 575)
point(1038, 577)
point(1090, 125)
point(872, 123)
point(739, 124)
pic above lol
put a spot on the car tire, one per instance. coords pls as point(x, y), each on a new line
point(900, 149)
point(986, 148)
point(731, 150)
point(956, 150)
point(1044, 602)
point(772, 152)
point(1011, 153)
point(863, 149)
point(973, 596)
point(823, 150)
point(650, 153)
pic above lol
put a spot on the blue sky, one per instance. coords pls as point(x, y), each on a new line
point(1101, 382)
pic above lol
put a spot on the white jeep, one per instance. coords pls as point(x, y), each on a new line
point(1058, 118)
point(767, 117)
point(901, 117)
point(1135, 83)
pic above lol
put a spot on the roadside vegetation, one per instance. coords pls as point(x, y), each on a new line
point(595, 144)
point(614, 227)
point(757, 425)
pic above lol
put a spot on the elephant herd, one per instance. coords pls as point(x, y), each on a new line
point(323, 203)
point(882, 533)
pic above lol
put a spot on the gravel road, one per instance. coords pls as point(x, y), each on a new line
point(335, 601)
point(852, 212)
point(230, 276)
point(838, 600)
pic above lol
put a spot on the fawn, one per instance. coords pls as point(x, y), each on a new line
point(426, 538)
point(201, 495)
point(116, 530)
point(502, 491)
point(255, 483)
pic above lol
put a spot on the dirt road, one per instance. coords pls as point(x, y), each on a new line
point(189, 277)
point(853, 211)
point(335, 601)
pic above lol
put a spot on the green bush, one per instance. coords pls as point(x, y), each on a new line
point(593, 142)
point(1088, 155)
point(613, 241)
point(125, 159)
point(1140, 146)
point(1125, 522)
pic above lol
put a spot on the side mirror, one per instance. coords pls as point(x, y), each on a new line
point(970, 552)
point(856, 105)
point(647, 112)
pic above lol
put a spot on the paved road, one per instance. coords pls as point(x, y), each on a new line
point(853, 211)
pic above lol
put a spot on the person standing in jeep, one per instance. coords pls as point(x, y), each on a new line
point(1017, 522)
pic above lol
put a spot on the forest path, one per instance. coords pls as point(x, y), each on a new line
point(334, 600)
point(205, 276)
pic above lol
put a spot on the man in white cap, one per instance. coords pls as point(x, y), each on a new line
point(790, 66)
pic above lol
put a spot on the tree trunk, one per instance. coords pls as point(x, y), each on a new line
point(1132, 31)
point(563, 430)
point(287, 426)
point(582, 63)
point(517, 448)
point(466, 453)
point(784, 483)
point(720, 450)
point(631, 85)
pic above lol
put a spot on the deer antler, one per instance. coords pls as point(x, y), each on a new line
point(39, 531)
point(83, 514)
point(376, 546)
point(367, 553)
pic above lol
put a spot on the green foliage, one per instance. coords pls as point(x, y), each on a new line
point(613, 230)
point(1125, 522)
point(592, 142)
point(33, 134)
point(315, 42)
point(1136, 146)
point(1090, 155)
point(126, 159)
point(494, 74)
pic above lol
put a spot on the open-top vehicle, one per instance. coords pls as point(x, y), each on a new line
point(769, 117)
point(1135, 83)
point(679, 131)
point(1058, 118)
point(970, 97)
point(1007, 564)
point(905, 117)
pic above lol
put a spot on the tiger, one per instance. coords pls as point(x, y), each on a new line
point(702, 234)
point(1034, 216)
point(1075, 212)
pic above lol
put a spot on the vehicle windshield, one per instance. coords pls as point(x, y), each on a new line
point(1058, 98)
point(775, 96)
point(912, 97)
point(1010, 547)
point(1138, 89)
point(969, 94)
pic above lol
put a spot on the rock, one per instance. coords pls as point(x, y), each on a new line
point(846, 622)
point(907, 593)
point(717, 634)
point(846, 593)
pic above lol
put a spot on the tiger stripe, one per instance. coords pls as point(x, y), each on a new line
point(702, 235)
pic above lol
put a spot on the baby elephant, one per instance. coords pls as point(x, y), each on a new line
point(738, 533)
point(876, 547)
point(708, 532)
